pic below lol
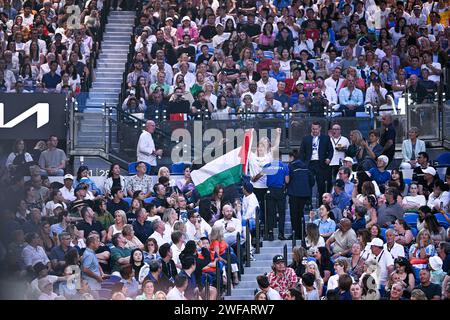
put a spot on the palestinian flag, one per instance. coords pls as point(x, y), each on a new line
point(225, 170)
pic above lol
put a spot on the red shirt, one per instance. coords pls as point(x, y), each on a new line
point(263, 65)
point(283, 282)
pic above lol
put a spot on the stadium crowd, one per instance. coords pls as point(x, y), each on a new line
point(374, 236)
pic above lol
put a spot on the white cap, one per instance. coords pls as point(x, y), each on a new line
point(384, 159)
point(430, 170)
point(68, 176)
point(435, 263)
point(185, 18)
point(349, 159)
point(299, 81)
point(377, 242)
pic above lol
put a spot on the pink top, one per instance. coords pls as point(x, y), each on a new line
point(193, 33)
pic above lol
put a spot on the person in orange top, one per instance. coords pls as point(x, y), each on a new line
point(218, 249)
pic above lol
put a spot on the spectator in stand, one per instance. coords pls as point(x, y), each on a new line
point(53, 160)
point(411, 149)
point(432, 291)
point(341, 241)
point(281, 278)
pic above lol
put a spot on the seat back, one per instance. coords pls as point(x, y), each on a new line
point(132, 167)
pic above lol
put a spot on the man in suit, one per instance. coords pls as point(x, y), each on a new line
point(316, 151)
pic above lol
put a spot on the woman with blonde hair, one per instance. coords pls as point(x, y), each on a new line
point(148, 291)
point(312, 268)
point(340, 268)
point(218, 249)
point(160, 295)
point(132, 241)
point(165, 172)
point(120, 220)
point(170, 216)
point(356, 140)
point(421, 251)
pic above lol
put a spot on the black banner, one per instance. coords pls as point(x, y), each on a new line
point(32, 115)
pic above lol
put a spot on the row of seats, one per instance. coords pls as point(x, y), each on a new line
point(411, 221)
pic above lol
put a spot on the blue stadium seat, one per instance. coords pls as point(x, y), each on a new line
point(407, 181)
point(132, 168)
point(441, 219)
point(269, 54)
point(383, 233)
point(128, 200)
point(411, 219)
point(443, 159)
point(177, 168)
point(149, 200)
point(414, 232)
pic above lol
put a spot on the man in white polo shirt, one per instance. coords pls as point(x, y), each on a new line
point(385, 262)
point(68, 192)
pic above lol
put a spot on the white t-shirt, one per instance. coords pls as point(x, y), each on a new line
point(249, 205)
point(273, 294)
point(255, 166)
point(396, 251)
point(338, 155)
point(418, 200)
point(384, 259)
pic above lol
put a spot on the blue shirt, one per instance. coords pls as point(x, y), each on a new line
point(89, 261)
point(326, 226)
point(410, 70)
point(282, 98)
point(379, 177)
point(276, 172)
point(353, 98)
point(341, 200)
point(349, 188)
point(359, 224)
point(51, 81)
point(280, 76)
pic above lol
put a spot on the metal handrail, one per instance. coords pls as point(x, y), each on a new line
point(207, 291)
point(228, 293)
point(238, 254)
point(285, 254)
point(294, 241)
point(257, 231)
point(247, 244)
point(218, 280)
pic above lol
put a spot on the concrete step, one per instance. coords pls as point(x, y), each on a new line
point(109, 80)
point(114, 37)
point(102, 95)
point(108, 64)
point(247, 284)
point(117, 42)
point(107, 46)
point(102, 85)
point(122, 32)
point(98, 101)
point(119, 27)
point(242, 291)
point(106, 74)
point(104, 90)
point(278, 243)
point(106, 56)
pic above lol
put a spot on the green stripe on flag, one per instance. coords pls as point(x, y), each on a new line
point(226, 178)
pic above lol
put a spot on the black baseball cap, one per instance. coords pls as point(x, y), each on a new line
point(278, 258)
